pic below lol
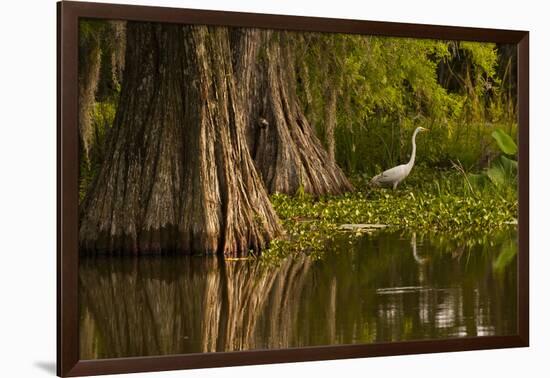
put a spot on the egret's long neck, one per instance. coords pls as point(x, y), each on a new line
point(413, 153)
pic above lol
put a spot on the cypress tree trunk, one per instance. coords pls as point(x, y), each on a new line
point(284, 146)
point(245, 46)
point(178, 175)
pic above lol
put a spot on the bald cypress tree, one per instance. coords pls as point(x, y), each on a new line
point(286, 151)
point(177, 175)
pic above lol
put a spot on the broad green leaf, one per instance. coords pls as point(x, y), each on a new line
point(510, 167)
point(497, 175)
point(508, 164)
point(505, 142)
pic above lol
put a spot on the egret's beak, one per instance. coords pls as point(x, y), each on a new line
point(425, 129)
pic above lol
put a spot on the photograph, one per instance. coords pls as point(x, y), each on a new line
point(245, 188)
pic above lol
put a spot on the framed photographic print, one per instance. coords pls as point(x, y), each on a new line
point(240, 188)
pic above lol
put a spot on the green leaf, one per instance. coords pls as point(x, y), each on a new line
point(505, 142)
point(497, 175)
point(503, 172)
point(509, 165)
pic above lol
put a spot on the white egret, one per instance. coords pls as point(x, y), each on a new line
point(395, 175)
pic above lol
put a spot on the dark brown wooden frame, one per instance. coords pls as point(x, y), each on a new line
point(68, 14)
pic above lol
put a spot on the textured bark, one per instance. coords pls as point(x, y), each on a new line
point(284, 146)
point(118, 30)
point(178, 175)
point(245, 46)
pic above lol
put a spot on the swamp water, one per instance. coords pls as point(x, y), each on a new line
point(381, 287)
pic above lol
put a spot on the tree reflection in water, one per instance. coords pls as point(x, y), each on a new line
point(375, 290)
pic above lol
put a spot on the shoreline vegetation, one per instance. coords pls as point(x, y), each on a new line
point(424, 204)
point(272, 148)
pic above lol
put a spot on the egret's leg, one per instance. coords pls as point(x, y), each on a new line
point(395, 185)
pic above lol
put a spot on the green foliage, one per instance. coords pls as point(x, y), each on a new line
point(99, 42)
point(389, 86)
point(503, 171)
point(505, 142)
point(103, 116)
point(482, 55)
point(437, 201)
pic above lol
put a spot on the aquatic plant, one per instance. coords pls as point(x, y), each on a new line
point(434, 203)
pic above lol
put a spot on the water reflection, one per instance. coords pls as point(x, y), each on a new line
point(385, 287)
